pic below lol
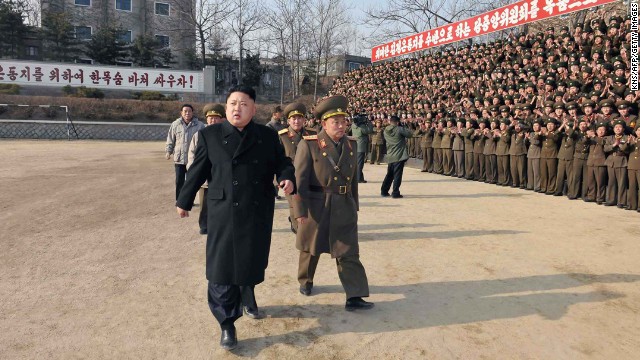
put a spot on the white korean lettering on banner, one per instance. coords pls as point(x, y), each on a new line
point(485, 23)
point(524, 12)
point(533, 10)
point(55, 74)
point(549, 6)
point(420, 41)
point(562, 5)
point(393, 49)
point(477, 26)
point(504, 18)
point(449, 33)
point(513, 15)
point(575, 4)
point(404, 45)
point(462, 30)
point(495, 18)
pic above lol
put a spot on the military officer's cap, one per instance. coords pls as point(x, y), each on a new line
point(558, 105)
point(607, 66)
point(505, 121)
point(294, 109)
point(549, 28)
point(460, 120)
point(331, 106)
point(551, 120)
point(602, 124)
point(582, 119)
point(562, 64)
point(548, 103)
point(493, 108)
point(623, 104)
point(620, 66)
point(550, 82)
point(206, 108)
point(538, 121)
point(504, 108)
point(474, 123)
point(530, 84)
point(597, 81)
point(496, 121)
point(574, 83)
point(483, 121)
point(216, 110)
point(606, 103)
point(564, 28)
point(620, 122)
point(620, 79)
point(588, 103)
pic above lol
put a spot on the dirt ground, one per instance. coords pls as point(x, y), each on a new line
point(95, 263)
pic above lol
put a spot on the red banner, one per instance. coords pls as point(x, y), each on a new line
point(506, 17)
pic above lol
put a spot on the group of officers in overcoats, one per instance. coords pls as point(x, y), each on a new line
point(239, 159)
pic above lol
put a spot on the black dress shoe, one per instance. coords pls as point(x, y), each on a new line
point(252, 313)
point(306, 289)
point(228, 339)
point(397, 196)
point(356, 303)
point(384, 194)
point(203, 231)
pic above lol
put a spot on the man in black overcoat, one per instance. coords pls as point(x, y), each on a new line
point(239, 158)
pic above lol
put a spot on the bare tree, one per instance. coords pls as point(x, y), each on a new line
point(328, 18)
point(245, 19)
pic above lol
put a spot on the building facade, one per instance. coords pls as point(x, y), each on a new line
point(167, 20)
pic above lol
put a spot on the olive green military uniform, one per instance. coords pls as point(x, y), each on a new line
point(518, 160)
point(437, 152)
point(549, 162)
point(596, 182)
point(467, 134)
point(502, 156)
point(426, 141)
point(565, 161)
point(377, 145)
point(578, 180)
point(616, 169)
point(447, 152)
point(479, 172)
point(533, 161)
point(327, 195)
point(458, 153)
point(633, 173)
point(490, 158)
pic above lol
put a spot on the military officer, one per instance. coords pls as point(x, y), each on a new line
point(549, 157)
point(616, 147)
point(596, 167)
point(377, 143)
point(578, 180)
point(633, 170)
point(518, 156)
point(623, 108)
point(290, 137)
point(533, 155)
point(327, 203)
point(426, 132)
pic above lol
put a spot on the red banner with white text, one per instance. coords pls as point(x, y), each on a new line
point(506, 17)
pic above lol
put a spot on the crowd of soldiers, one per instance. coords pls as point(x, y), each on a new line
point(547, 112)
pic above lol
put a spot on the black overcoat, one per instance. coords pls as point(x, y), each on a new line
point(240, 168)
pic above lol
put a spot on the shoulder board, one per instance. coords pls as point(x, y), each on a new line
point(311, 130)
point(283, 131)
point(310, 137)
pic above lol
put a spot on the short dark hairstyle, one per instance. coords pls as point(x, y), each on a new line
point(186, 105)
point(277, 109)
point(394, 119)
point(243, 89)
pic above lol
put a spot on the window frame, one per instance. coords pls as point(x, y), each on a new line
point(115, 5)
point(75, 32)
point(83, 5)
point(130, 36)
point(168, 39)
point(155, 9)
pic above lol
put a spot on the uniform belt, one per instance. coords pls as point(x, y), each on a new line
point(341, 190)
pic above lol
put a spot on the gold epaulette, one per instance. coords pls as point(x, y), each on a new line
point(310, 137)
point(283, 131)
point(311, 130)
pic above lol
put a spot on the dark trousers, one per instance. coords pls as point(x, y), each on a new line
point(518, 165)
point(181, 175)
point(578, 180)
point(617, 186)
point(469, 172)
point(458, 160)
point(362, 157)
point(202, 218)
point(437, 160)
point(307, 265)
point(479, 172)
point(548, 172)
point(633, 194)
point(565, 169)
point(491, 168)
point(533, 174)
point(596, 184)
point(226, 301)
point(447, 162)
point(394, 175)
point(427, 159)
point(504, 170)
point(376, 154)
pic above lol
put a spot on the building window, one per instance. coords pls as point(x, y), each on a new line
point(83, 32)
point(162, 9)
point(125, 37)
point(82, 2)
point(31, 51)
point(124, 5)
point(354, 65)
point(163, 40)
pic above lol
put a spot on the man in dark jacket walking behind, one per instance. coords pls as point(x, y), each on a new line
point(397, 155)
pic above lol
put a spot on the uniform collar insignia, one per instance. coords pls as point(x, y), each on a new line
point(323, 144)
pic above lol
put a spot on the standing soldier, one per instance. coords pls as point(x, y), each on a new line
point(633, 166)
point(623, 108)
point(502, 152)
point(458, 148)
point(565, 157)
point(426, 145)
point(606, 109)
point(327, 203)
point(377, 143)
point(471, 126)
point(616, 147)
point(490, 157)
point(290, 137)
point(549, 157)
point(360, 129)
point(518, 154)
point(437, 143)
point(597, 169)
point(447, 152)
point(578, 180)
point(533, 155)
point(479, 139)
